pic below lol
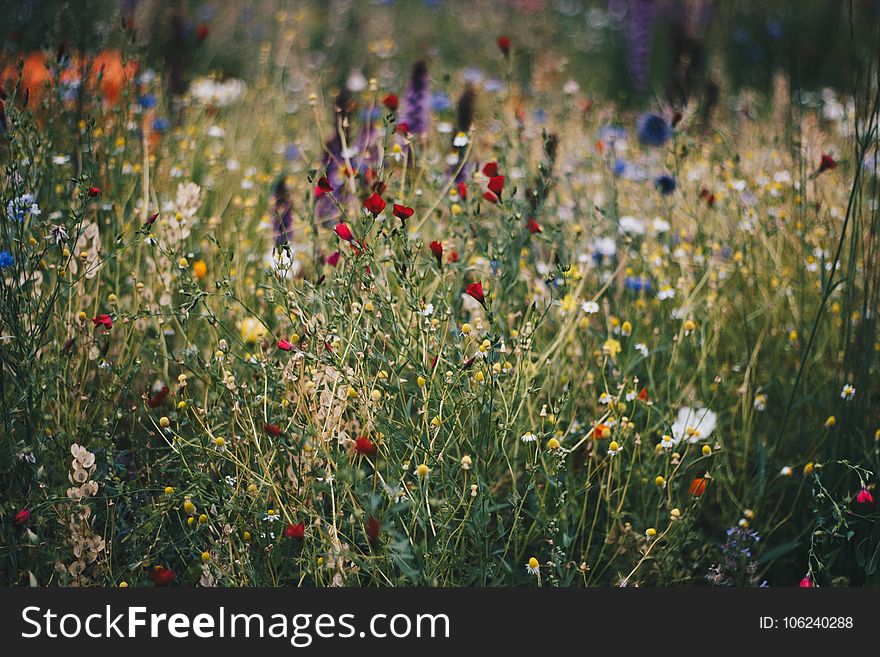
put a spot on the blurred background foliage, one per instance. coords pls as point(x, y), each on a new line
point(629, 49)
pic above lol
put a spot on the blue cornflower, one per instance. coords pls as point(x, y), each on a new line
point(291, 152)
point(147, 101)
point(653, 129)
point(161, 125)
point(637, 284)
point(6, 259)
point(665, 184)
point(619, 168)
point(440, 102)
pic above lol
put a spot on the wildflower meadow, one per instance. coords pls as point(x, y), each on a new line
point(439, 294)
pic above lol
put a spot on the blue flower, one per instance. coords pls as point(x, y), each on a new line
point(161, 125)
point(147, 101)
point(637, 284)
point(6, 259)
point(653, 130)
point(440, 102)
point(291, 152)
point(665, 184)
point(612, 133)
point(619, 168)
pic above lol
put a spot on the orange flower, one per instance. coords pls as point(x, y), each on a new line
point(200, 269)
point(113, 75)
point(698, 487)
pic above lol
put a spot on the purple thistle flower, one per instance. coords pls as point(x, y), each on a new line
point(415, 112)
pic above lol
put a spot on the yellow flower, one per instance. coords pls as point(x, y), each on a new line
point(466, 328)
point(200, 269)
point(189, 507)
point(650, 532)
point(831, 421)
point(611, 347)
point(206, 557)
point(553, 443)
point(169, 490)
point(659, 481)
point(808, 469)
point(422, 471)
point(706, 450)
point(251, 329)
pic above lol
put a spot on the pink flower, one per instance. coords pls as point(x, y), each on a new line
point(806, 583)
point(284, 345)
point(22, 516)
point(865, 497)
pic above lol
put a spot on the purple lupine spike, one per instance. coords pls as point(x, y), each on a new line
point(640, 19)
point(282, 218)
point(415, 112)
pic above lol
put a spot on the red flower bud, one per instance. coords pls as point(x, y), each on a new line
point(533, 226)
point(323, 186)
point(806, 583)
point(490, 169)
point(475, 290)
point(22, 516)
point(504, 45)
point(284, 345)
point(94, 191)
point(374, 204)
point(391, 102)
point(437, 250)
point(343, 231)
point(865, 497)
point(273, 430)
point(333, 258)
point(373, 528)
point(462, 190)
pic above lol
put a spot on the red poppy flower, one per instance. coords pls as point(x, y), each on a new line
point(697, 487)
point(533, 226)
point(462, 190)
point(202, 32)
point(374, 204)
point(22, 516)
point(159, 398)
point(323, 186)
point(475, 290)
point(295, 531)
point(806, 583)
point(643, 394)
point(504, 45)
point(364, 446)
point(490, 196)
point(373, 528)
point(490, 169)
point(403, 128)
point(496, 184)
point(94, 191)
point(437, 249)
point(865, 497)
point(343, 231)
point(333, 258)
point(826, 163)
point(452, 257)
point(162, 576)
point(403, 212)
point(103, 320)
point(284, 345)
point(391, 102)
point(273, 430)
